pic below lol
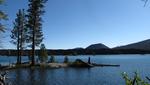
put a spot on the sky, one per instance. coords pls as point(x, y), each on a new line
point(79, 23)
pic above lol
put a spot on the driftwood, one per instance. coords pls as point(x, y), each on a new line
point(3, 78)
point(111, 65)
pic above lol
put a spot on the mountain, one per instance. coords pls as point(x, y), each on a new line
point(78, 48)
point(97, 46)
point(142, 45)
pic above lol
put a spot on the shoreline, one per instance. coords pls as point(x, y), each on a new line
point(13, 52)
point(56, 66)
point(78, 55)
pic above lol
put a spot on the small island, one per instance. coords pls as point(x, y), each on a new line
point(78, 63)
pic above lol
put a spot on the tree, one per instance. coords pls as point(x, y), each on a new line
point(52, 59)
point(43, 56)
point(3, 16)
point(36, 9)
point(66, 60)
point(145, 1)
point(19, 33)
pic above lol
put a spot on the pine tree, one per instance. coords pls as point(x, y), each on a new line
point(43, 56)
point(19, 33)
point(3, 16)
point(66, 60)
point(52, 59)
point(145, 1)
point(36, 9)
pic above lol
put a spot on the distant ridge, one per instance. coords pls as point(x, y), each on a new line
point(97, 46)
point(142, 45)
point(79, 48)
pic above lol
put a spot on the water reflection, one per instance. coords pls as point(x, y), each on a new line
point(29, 77)
point(67, 76)
point(84, 76)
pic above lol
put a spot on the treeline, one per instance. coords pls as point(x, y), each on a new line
point(12, 52)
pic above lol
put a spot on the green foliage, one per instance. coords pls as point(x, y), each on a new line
point(18, 33)
point(29, 58)
point(145, 2)
point(66, 60)
point(35, 34)
point(3, 16)
point(136, 80)
point(52, 59)
point(43, 56)
point(36, 9)
point(2, 1)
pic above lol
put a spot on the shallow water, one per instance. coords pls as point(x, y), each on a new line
point(82, 76)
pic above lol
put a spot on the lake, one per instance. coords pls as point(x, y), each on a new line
point(82, 76)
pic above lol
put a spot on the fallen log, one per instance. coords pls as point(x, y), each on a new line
point(102, 65)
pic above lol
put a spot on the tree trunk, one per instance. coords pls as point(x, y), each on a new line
point(21, 40)
point(18, 50)
point(33, 46)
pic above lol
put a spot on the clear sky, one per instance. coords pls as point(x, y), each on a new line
point(79, 23)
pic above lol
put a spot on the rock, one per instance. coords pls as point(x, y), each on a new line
point(57, 65)
point(80, 63)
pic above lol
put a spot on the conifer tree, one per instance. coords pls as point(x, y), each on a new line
point(145, 1)
point(66, 60)
point(19, 33)
point(52, 59)
point(43, 56)
point(3, 16)
point(36, 9)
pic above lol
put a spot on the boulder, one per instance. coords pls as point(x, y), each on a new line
point(80, 63)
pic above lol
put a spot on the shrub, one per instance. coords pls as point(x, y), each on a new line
point(136, 80)
point(66, 60)
point(43, 56)
point(52, 59)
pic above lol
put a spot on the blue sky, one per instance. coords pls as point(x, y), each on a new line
point(79, 23)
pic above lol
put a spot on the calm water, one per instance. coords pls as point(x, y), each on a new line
point(82, 76)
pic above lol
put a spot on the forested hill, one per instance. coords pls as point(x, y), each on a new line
point(77, 52)
point(142, 47)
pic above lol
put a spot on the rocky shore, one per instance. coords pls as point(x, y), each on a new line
point(77, 63)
